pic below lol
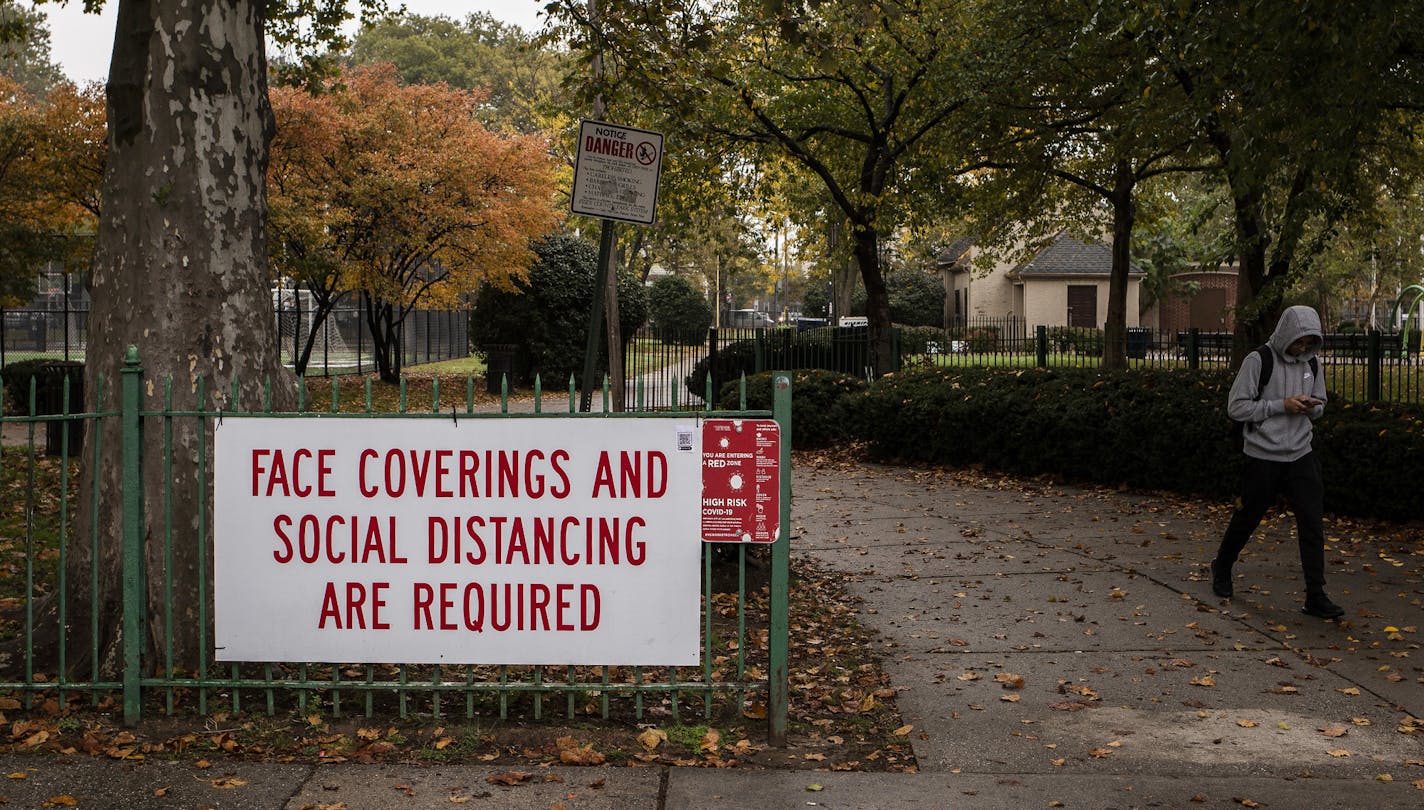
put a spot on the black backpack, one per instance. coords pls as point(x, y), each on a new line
point(1268, 363)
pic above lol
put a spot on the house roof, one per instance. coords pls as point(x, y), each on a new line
point(954, 251)
point(1066, 256)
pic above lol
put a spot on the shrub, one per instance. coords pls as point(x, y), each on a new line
point(49, 381)
point(1149, 428)
point(816, 302)
point(817, 419)
point(829, 348)
point(916, 339)
point(546, 315)
point(977, 339)
point(1076, 339)
point(680, 312)
point(916, 298)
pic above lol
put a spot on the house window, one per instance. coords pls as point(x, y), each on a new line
point(1083, 306)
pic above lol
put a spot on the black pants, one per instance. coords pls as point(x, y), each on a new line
point(1262, 482)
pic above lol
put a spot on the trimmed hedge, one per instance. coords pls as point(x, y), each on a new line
point(817, 410)
point(828, 348)
point(48, 377)
point(1152, 429)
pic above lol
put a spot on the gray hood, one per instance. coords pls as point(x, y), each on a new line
point(1295, 323)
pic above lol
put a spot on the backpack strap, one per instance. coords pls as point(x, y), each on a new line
point(1268, 364)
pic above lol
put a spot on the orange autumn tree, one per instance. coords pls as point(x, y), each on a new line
point(51, 164)
point(399, 195)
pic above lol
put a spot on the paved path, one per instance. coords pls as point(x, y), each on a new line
point(1051, 646)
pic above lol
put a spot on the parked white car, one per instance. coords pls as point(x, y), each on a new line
point(748, 319)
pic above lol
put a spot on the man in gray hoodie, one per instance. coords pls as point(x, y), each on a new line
point(1279, 459)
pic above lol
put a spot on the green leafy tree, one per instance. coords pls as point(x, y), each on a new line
point(1081, 130)
point(1291, 99)
point(847, 92)
point(545, 316)
point(521, 78)
point(25, 49)
point(1184, 224)
point(680, 312)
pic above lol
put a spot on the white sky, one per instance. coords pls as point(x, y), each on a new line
point(81, 42)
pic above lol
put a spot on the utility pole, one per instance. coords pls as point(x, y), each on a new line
point(605, 295)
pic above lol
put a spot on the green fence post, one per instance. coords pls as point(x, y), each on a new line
point(1040, 340)
point(1374, 346)
point(130, 445)
point(778, 635)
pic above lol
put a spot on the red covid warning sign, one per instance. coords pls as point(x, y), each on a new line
point(741, 480)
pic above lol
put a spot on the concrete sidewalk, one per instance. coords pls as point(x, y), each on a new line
point(1051, 646)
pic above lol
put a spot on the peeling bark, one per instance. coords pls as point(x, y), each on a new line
point(180, 272)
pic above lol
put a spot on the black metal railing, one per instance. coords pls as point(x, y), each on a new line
point(1359, 366)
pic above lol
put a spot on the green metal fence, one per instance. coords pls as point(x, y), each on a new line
point(744, 605)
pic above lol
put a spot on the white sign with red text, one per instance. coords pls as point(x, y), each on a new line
point(483, 541)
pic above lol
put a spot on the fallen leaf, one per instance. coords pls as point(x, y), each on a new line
point(1338, 753)
point(509, 778)
point(1010, 680)
point(1203, 680)
point(1334, 730)
point(902, 731)
point(226, 782)
point(651, 738)
point(814, 787)
point(710, 740)
point(61, 801)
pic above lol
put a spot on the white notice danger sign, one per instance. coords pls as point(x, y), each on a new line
point(616, 176)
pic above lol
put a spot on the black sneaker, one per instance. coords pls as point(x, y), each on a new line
point(1320, 606)
point(1221, 580)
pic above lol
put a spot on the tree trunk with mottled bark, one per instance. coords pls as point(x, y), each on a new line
point(180, 272)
